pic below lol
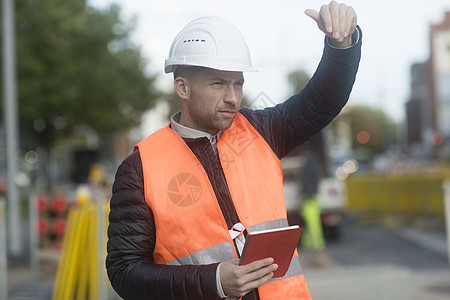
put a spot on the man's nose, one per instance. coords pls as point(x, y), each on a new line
point(232, 95)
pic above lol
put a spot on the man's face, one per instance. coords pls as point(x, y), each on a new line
point(213, 99)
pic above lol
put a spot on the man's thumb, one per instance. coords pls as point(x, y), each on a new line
point(312, 14)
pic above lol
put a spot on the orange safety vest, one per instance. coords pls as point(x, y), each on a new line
point(190, 227)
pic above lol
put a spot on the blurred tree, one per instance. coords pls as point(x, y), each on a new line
point(298, 80)
point(174, 103)
point(372, 130)
point(77, 66)
point(315, 146)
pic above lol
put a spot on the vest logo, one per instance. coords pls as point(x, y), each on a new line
point(184, 189)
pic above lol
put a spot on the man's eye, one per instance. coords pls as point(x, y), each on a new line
point(218, 83)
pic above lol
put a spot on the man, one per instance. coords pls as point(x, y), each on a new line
point(185, 199)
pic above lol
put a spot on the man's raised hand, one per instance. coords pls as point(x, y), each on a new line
point(337, 21)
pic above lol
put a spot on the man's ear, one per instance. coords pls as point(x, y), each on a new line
point(181, 87)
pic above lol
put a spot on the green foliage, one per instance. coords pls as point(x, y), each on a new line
point(382, 130)
point(77, 66)
point(298, 79)
point(174, 103)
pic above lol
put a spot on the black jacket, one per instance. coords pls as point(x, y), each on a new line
point(132, 230)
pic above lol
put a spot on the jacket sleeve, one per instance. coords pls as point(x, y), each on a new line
point(291, 123)
point(131, 241)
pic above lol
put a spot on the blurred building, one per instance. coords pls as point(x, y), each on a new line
point(428, 109)
point(440, 74)
point(418, 109)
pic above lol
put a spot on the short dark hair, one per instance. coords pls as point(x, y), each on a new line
point(177, 71)
point(185, 71)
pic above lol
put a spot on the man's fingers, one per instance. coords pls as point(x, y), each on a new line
point(252, 284)
point(239, 280)
point(258, 264)
point(260, 281)
point(335, 17)
point(352, 20)
point(259, 269)
point(325, 14)
point(258, 277)
point(348, 21)
point(343, 20)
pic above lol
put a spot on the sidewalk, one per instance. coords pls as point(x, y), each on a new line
point(434, 241)
point(22, 285)
point(374, 282)
point(328, 279)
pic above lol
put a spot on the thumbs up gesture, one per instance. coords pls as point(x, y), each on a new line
point(337, 21)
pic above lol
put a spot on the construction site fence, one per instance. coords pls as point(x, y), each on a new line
point(406, 195)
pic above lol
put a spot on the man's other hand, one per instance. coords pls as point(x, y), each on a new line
point(238, 280)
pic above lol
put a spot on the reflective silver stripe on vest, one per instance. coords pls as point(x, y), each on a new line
point(224, 252)
point(270, 225)
point(294, 268)
point(214, 254)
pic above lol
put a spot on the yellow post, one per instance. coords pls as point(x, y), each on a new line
point(74, 264)
point(66, 255)
point(84, 262)
point(93, 255)
point(78, 271)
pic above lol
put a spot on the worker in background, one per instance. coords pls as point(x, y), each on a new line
point(312, 236)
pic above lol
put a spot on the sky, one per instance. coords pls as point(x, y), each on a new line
point(281, 38)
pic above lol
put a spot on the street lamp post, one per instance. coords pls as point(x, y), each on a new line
point(11, 127)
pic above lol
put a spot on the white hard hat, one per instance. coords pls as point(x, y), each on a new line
point(210, 42)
